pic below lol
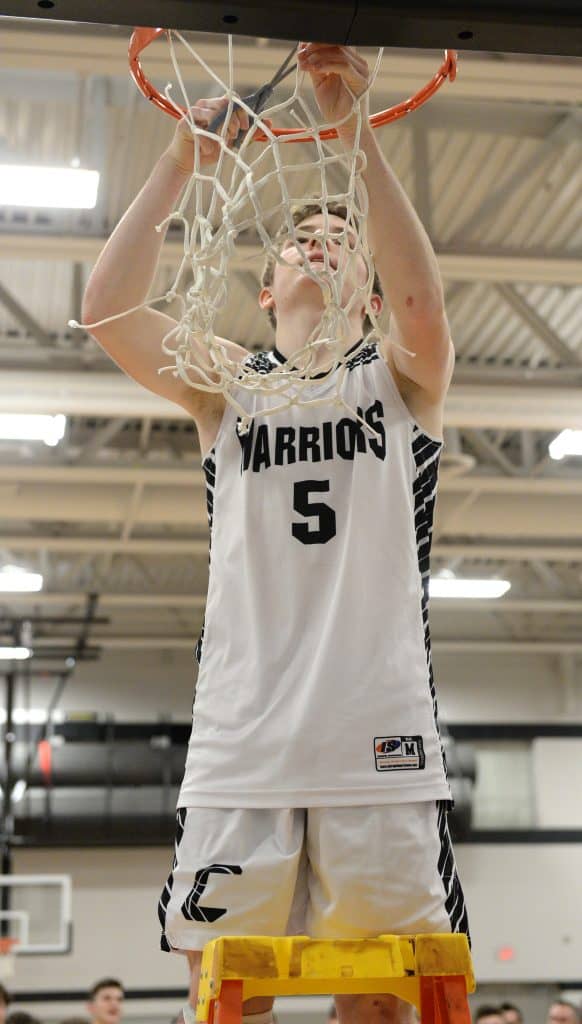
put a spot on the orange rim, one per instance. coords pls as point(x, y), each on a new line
point(7, 945)
point(142, 37)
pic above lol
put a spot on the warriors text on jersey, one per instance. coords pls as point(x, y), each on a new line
point(315, 683)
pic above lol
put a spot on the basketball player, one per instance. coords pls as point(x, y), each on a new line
point(314, 798)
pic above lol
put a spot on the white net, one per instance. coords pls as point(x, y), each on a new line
point(251, 192)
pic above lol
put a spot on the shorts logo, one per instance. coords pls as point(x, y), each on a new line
point(398, 753)
point(191, 908)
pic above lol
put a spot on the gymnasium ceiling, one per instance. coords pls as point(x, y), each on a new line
point(494, 166)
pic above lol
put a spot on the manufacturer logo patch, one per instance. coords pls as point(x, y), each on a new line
point(398, 753)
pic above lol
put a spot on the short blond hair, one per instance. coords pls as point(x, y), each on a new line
point(298, 215)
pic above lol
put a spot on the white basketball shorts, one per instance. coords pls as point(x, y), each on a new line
point(338, 872)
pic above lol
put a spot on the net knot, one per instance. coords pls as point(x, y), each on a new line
point(243, 425)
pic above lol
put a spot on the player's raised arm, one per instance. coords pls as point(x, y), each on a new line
point(125, 269)
point(402, 251)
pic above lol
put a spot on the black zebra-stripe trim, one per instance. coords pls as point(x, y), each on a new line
point(167, 890)
point(447, 869)
point(426, 454)
point(209, 467)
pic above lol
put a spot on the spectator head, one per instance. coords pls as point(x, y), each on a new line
point(511, 1014)
point(4, 1003)
point(563, 1012)
point(20, 1017)
point(488, 1015)
point(105, 1003)
point(4, 997)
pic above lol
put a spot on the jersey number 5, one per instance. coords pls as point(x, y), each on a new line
point(325, 516)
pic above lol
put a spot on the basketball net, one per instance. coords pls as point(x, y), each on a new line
point(250, 193)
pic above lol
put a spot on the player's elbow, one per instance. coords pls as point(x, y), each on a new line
point(90, 312)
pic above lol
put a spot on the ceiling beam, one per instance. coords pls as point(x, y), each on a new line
point(491, 206)
point(141, 600)
point(100, 439)
point(489, 646)
point(490, 452)
point(191, 477)
point(457, 265)
point(470, 550)
point(50, 600)
point(488, 513)
point(23, 317)
point(114, 395)
point(491, 551)
point(186, 642)
point(538, 325)
point(84, 51)
point(162, 548)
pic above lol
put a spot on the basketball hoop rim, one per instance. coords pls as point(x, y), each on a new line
point(142, 37)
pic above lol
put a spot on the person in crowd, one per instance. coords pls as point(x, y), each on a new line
point(486, 1014)
point(21, 1017)
point(105, 1001)
point(4, 1004)
point(561, 1011)
point(511, 1013)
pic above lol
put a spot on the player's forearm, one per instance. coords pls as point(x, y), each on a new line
point(403, 254)
point(125, 269)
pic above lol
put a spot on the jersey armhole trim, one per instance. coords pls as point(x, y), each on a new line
point(228, 413)
point(402, 403)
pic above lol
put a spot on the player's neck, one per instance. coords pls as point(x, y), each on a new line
point(295, 329)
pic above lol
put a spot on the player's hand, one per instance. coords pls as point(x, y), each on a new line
point(338, 73)
point(203, 114)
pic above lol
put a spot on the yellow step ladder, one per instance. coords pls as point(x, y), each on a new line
point(434, 972)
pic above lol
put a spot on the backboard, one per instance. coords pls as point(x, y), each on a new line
point(511, 26)
point(36, 912)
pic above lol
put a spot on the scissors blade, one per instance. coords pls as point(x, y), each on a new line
point(257, 100)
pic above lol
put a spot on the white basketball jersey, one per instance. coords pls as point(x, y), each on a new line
point(315, 683)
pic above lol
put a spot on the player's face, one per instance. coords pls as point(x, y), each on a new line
point(321, 256)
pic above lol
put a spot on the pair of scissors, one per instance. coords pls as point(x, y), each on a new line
point(258, 100)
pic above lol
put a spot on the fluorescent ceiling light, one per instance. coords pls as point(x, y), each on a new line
point(569, 442)
point(18, 790)
point(64, 188)
point(447, 587)
point(33, 716)
point(14, 653)
point(14, 580)
point(22, 427)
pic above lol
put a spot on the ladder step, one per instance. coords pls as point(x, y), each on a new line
point(434, 972)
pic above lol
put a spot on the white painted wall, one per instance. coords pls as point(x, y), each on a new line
point(472, 687)
point(116, 929)
point(557, 774)
point(493, 687)
point(527, 897)
point(132, 686)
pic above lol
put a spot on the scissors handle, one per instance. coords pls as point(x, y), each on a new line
point(256, 101)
